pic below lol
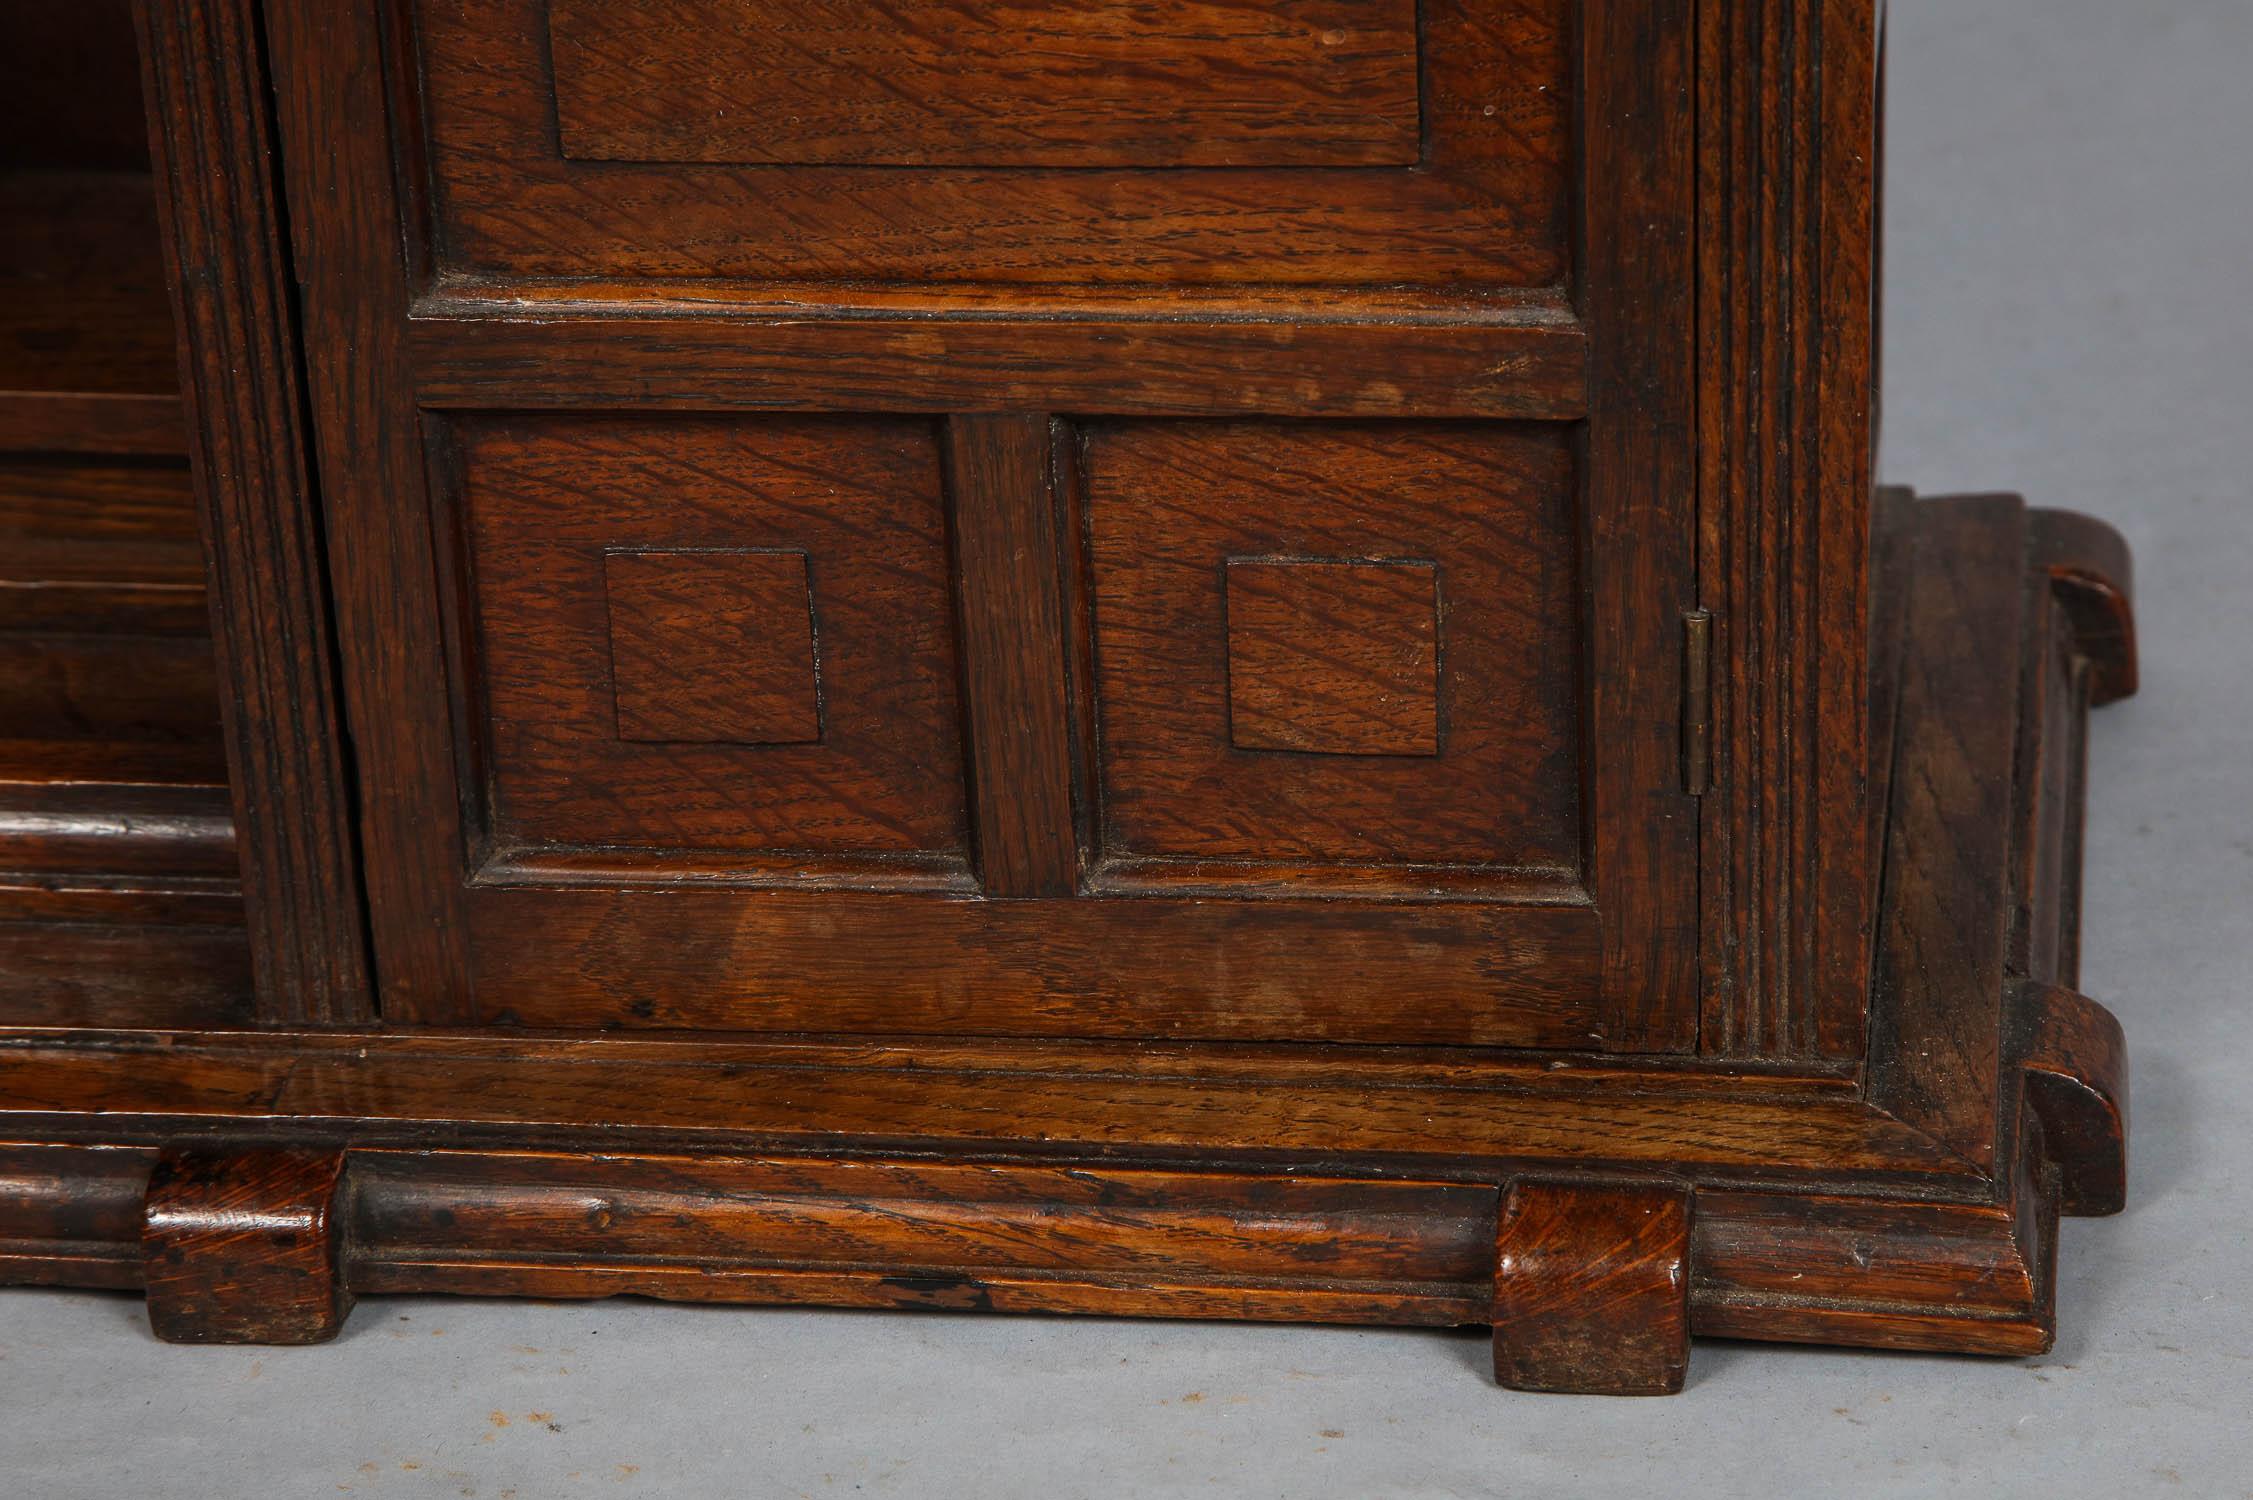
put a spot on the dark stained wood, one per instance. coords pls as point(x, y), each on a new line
point(1592, 1288)
point(1637, 280)
point(1104, 83)
point(1483, 202)
point(122, 820)
point(340, 203)
point(81, 687)
point(2074, 1060)
point(2051, 762)
point(286, 753)
point(1021, 739)
point(1045, 1238)
point(2086, 562)
point(1942, 945)
point(1333, 657)
point(712, 646)
point(989, 699)
point(844, 960)
point(245, 1247)
point(91, 422)
point(718, 348)
point(71, 1216)
point(561, 513)
point(1786, 379)
point(99, 548)
point(73, 96)
point(82, 301)
point(984, 1237)
point(102, 965)
point(1476, 1118)
point(1171, 505)
point(1974, 1278)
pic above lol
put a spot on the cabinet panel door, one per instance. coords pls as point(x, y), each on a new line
point(1020, 554)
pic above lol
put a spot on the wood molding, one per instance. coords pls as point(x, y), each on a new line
point(343, 209)
point(1786, 362)
point(286, 752)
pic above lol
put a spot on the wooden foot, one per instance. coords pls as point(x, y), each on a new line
point(2075, 1067)
point(245, 1247)
point(1591, 1288)
point(2088, 568)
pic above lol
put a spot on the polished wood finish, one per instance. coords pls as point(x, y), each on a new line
point(287, 760)
point(1291, 1183)
point(1023, 733)
point(1481, 201)
point(1181, 659)
point(244, 1247)
point(1176, 515)
point(1592, 1288)
point(2075, 1066)
point(1106, 83)
point(1333, 657)
point(1787, 241)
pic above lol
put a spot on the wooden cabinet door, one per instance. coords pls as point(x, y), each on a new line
point(1066, 520)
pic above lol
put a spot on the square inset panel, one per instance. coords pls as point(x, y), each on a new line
point(1351, 643)
point(715, 647)
point(1333, 658)
point(700, 633)
point(953, 143)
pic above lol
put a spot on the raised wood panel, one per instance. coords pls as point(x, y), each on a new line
point(1478, 516)
point(1026, 83)
point(646, 643)
point(1481, 201)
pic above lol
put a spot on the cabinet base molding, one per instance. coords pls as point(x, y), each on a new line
point(1594, 1212)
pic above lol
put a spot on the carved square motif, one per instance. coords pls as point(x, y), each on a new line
point(713, 647)
point(1333, 657)
point(653, 672)
point(1271, 671)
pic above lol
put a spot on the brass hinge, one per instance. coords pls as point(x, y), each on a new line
point(1697, 701)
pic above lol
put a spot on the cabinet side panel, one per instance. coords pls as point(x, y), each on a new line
point(1786, 110)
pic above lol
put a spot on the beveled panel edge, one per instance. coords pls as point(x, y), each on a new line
point(1468, 1118)
point(1515, 359)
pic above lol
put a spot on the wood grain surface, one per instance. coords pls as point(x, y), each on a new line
point(245, 1247)
point(1102, 83)
point(1592, 1288)
point(1478, 197)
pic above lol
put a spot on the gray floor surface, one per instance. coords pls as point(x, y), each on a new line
point(2072, 229)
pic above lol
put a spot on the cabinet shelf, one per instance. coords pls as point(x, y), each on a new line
point(86, 355)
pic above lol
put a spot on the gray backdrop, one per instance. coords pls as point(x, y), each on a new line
point(2069, 316)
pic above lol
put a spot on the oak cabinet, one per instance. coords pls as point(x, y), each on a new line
point(1194, 658)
